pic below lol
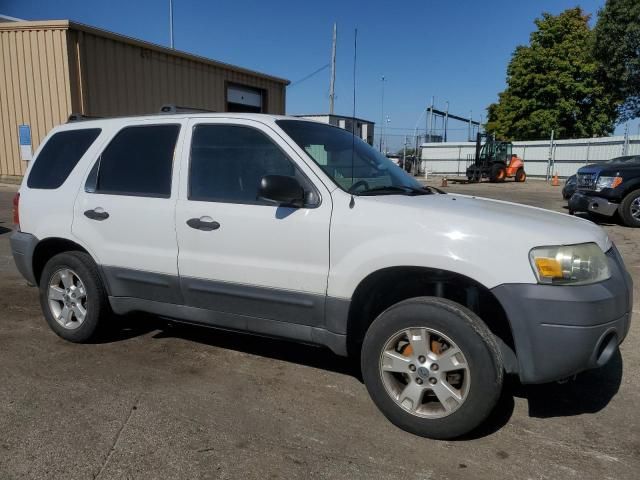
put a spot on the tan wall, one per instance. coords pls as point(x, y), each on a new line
point(118, 78)
point(50, 69)
point(34, 89)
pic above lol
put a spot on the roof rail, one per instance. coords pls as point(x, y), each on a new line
point(76, 117)
point(171, 108)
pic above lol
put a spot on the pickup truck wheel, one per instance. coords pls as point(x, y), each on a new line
point(432, 367)
point(72, 296)
point(629, 209)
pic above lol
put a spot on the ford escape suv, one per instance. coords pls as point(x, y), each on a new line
point(290, 228)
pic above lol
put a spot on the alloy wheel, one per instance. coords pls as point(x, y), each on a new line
point(67, 298)
point(425, 372)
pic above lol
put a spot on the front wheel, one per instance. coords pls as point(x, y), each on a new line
point(521, 176)
point(629, 209)
point(432, 367)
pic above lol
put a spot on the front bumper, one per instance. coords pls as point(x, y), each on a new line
point(580, 202)
point(559, 331)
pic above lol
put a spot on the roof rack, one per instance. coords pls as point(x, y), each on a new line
point(171, 108)
point(77, 117)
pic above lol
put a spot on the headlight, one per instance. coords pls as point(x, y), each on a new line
point(570, 264)
point(608, 182)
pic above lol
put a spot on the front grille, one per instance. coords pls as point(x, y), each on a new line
point(586, 181)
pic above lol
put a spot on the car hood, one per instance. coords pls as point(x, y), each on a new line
point(495, 220)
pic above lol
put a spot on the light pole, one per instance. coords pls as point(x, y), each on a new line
point(382, 115)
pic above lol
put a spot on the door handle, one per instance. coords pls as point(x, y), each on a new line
point(96, 214)
point(203, 223)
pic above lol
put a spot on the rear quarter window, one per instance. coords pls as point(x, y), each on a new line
point(59, 156)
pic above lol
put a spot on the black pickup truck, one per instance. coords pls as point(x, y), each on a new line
point(609, 187)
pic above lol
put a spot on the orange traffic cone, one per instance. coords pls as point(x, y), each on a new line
point(555, 182)
point(445, 183)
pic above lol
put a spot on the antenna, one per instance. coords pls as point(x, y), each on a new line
point(353, 119)
point(171, 23)
point(332, 93)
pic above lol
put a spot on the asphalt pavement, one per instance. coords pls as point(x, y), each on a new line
point(156, 400)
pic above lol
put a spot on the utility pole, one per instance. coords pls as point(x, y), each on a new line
point(171, 24)
point(333, 69)
point(382, 115)
point(446, 121)
point(404, 152)
point(431, 119)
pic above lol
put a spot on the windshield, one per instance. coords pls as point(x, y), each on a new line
point(351, 163)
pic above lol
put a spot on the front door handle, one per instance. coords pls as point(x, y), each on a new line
point(203, 223)
point(96, 214)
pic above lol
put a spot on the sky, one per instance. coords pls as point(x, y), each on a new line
point(455, 51)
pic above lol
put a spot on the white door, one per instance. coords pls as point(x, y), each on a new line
point(249, 257)
point(125, 212)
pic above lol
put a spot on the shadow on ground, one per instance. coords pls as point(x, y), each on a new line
point(589, 392)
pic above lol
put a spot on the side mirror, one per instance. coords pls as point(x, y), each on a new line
point(282, 189)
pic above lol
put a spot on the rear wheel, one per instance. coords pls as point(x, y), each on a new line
point(498, 172)
point(72, 296)
point(432, 367)
point(521, 176)
point(629, 209)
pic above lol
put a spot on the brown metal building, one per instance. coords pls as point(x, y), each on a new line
point(50, 69)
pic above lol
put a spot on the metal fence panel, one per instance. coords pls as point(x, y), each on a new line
point(565, 158)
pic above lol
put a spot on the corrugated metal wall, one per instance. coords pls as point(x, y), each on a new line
point(49, 69)
point(568, 155)
point(118, 78)
point(34, 89)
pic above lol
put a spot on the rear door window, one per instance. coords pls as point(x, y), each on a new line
point(138, 161)
point(59, 156)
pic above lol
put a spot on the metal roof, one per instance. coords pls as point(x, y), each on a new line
point(71, 25)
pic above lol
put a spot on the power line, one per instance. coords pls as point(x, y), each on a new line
point(315, 72)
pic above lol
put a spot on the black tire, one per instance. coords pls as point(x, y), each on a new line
point(470, 335)
point(498, 173)
point(96, 302)
point(521, 176)
point(629, 205)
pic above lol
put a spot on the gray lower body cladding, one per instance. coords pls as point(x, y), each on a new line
point(267, 311)
point(562, 330)
point(22, 247)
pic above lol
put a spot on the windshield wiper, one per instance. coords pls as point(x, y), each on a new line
point(391, 189)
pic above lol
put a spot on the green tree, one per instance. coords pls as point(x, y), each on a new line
point(617, 48)
point(554, 84)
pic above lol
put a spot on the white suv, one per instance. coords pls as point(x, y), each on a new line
point(295, 229)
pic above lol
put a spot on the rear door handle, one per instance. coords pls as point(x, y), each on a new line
point(203, 223)
point(97, 213)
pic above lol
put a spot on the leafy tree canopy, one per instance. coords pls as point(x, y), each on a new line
point(554, 83)
point(617, 48)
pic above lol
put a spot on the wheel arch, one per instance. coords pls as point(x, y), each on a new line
point(388, 286)
point(49, 247)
